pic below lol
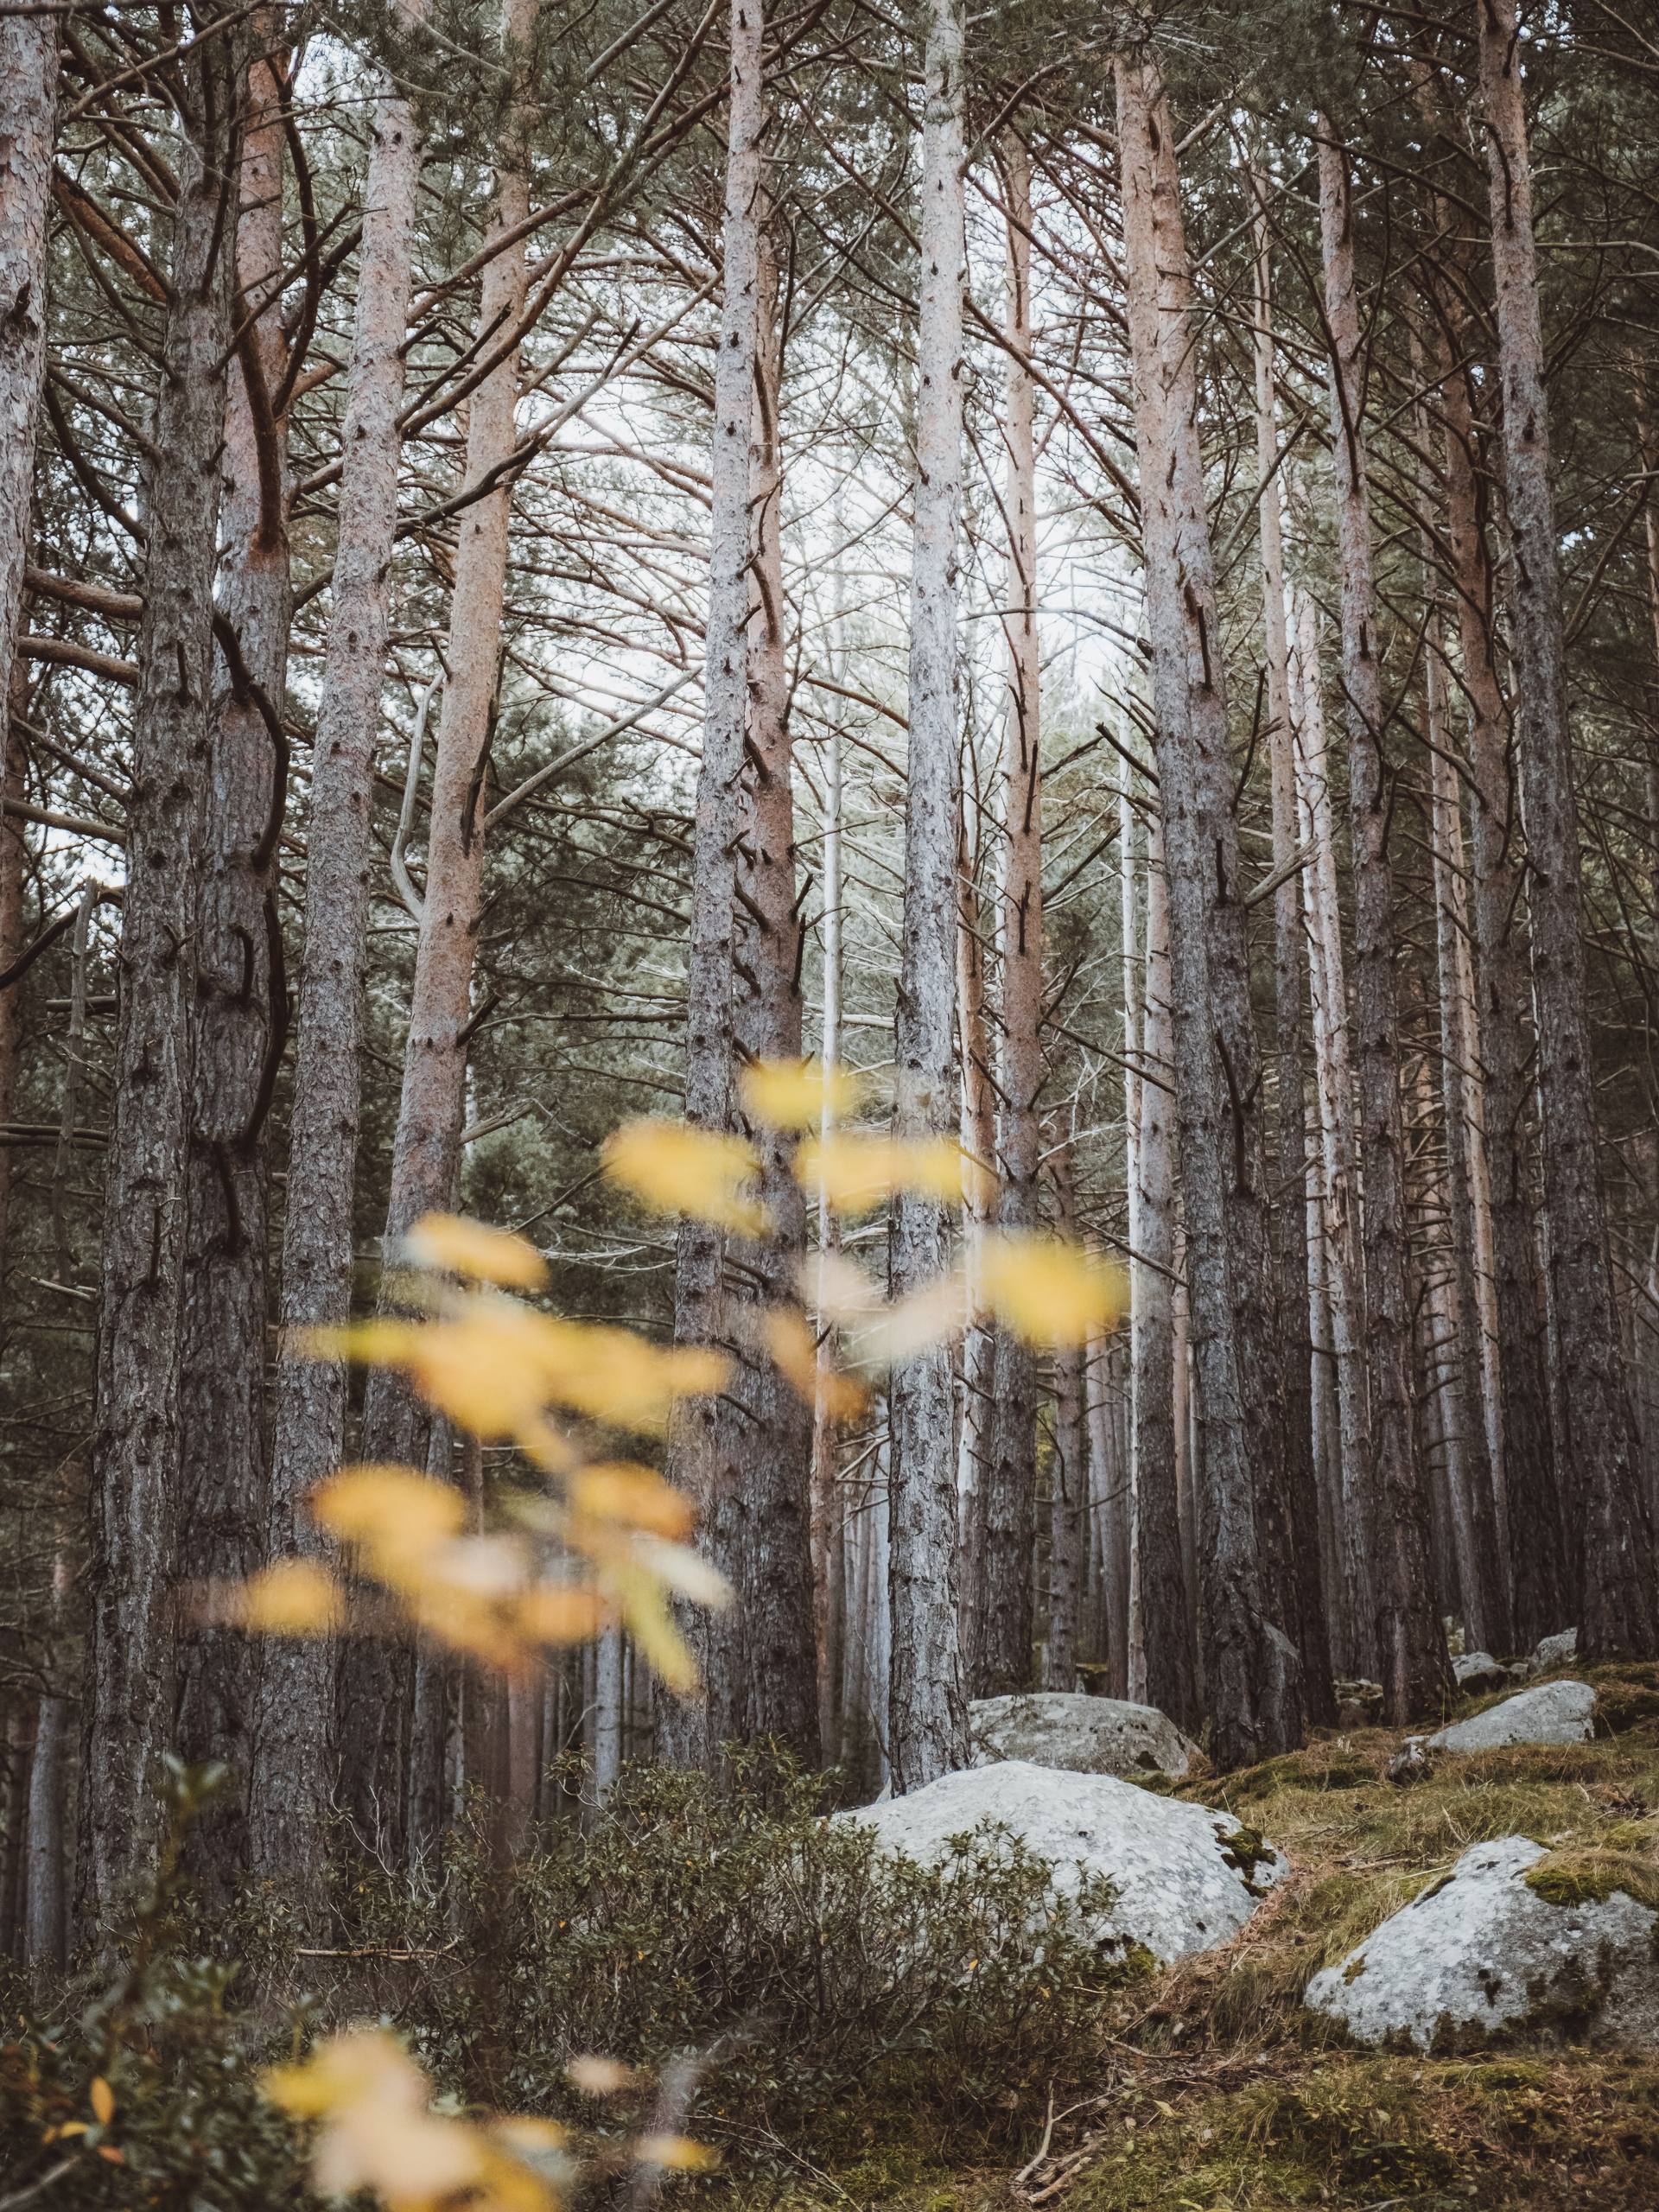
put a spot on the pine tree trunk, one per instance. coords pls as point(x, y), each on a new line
point(771, 1692)
point(1162, 1669)
point(1487, 1623)
point(1109, 1512)
point(14, 862)
point(1068, 1484)
point(46, 1863)
point(292, 1768)
point(28, 103)
point(976, 1429)
point(385, 1747)
point(1620, 1612)
point(828, 1529)
point(241, 1004)
point(683, 1729)
point(1290, 1201)
point(132, 1667)
point(927, 1710)
point(1252, 1669)
point(1004, 1651)
point(1416, 1676)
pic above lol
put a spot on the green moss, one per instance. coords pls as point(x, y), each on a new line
point(1246, 1849)
point(1352, 1971)
point(1590, 1877)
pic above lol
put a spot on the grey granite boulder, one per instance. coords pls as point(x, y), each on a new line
point(1515, 1940)
point(1554, 1713)
point(1085, 1735)
point(1553, 1651)
point(1185, 1878)
point(1477, 1672)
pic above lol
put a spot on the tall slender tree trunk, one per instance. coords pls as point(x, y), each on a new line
point(1161, 1648)
point(1488, 1623)
point(699, 1317)
point(768, 1689)
point(976, 1429)
point(1339, 1195)
point(1620, 1611)
point(1416, 1674)
point(1252, 1669)
point(927, 1723)
point(46, 1865)
point(129, 1685)
point(29, 101)
point(241, 1003)
point(14, 865)
point(1005, 1643)
point(830, 1596)
point(1068, 1484)
point(292, 1776)
point(1290, 1202)
point(1109, 1512)
point(388, 1751)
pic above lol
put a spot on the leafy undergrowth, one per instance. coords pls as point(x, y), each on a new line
point(1218, 2093)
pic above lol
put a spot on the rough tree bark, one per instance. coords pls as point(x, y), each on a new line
point(1620, 1607)
point(1068, 1481)
point(698, 1287)
point(29, 101)
point(292, 1760)
point(1417, 1674)
point(128, 1696)
point(1290, 1200)
point(1161, 1658)
point(1253, 1670)
point(241, 1003)
point(1354, 1615)
point(390, 1754)
point(768, 1687)
point(927, 1710)
point(1004, 1644)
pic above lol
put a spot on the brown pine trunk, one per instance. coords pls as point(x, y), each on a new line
point(1252, 1669)
point(389, 1781)
point(241, 1004)
point(1290, 1199)
point(14, 863)
point(1004, 1648)
point(685, 1729)
point(1068, 1484)
point(1620, 1610)
point(1416, 1676)
point(292, 1768)
point(927, 1718)
point(128, 1697)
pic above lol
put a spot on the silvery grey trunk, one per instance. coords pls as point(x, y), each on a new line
point(391, 1734)
point(699, 1315)
point(241, 1003)
point(133, 1559)
point(1252, 1668)
point(927, 1711)
point(292, 1776)
point(1004, 1642)
point(1416, 1672)
point(1619, 1613)
point(28, 104)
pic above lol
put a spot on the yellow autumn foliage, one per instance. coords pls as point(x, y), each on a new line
point(798, 1094)
point(1049, 1290)
point(676, 1169)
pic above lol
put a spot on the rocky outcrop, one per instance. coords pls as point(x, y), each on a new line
point(1184, 1878)
point(1084, 1735)
point(1553, 1651)
point(1477, 1672)
point(1554, 1713)
point(1515, 1940)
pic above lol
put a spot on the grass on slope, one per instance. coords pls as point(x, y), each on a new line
point(1217, 2093)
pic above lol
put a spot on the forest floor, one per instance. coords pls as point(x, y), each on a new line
point(1220, 2094)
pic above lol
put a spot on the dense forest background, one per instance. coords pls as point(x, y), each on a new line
point(1098, 570)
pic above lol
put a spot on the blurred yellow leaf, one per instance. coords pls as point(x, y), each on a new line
point(392, 1511)
point(103, 2100)
point(795, 1094)
point(561, 1613)
point(909, 1324)
point(617, 1490)
point(855, 1169)
point(675, 2154)
point(600, 2077)
point(787, 1335)
point(1047, 1289)
point(683, 1570)
point(292, 1597)
point(677, 1169)
point(650, 1623)
point(461, 1247)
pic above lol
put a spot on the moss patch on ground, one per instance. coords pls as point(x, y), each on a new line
point(1218, 2093)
